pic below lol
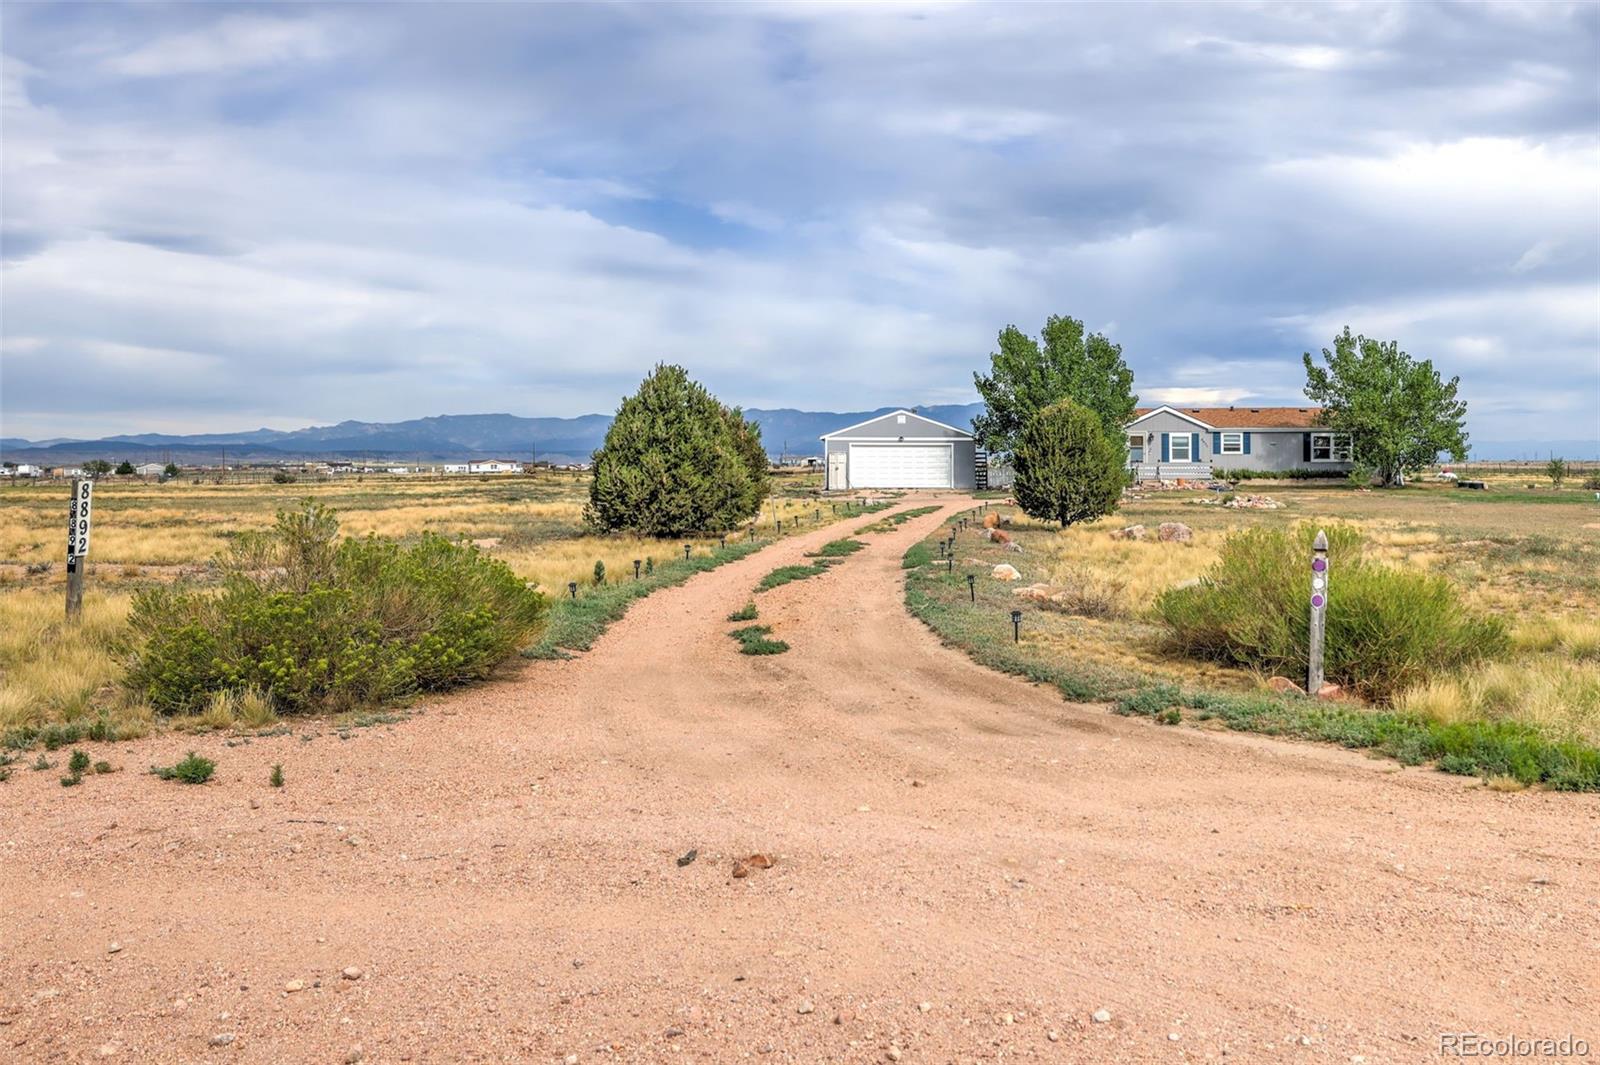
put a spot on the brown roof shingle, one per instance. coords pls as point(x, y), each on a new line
point(1246, 417)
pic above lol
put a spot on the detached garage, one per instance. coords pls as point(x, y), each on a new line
point(901, 449)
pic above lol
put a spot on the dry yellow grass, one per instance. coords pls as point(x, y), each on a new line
point(1557, 695)
point(51, 671)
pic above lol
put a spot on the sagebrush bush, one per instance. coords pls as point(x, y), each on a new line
point(316, 623)
point(1387, 629)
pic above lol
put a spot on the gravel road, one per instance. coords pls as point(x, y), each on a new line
point(965, 867)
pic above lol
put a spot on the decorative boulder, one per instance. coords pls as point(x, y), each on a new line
point(1132, 532)
point(1330, 690)
point(991, 519)
point(1005, 572)
point(1175, 531)
point(1285, 686)
point(1038, 593)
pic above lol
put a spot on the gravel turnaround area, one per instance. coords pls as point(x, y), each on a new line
point(965, 867)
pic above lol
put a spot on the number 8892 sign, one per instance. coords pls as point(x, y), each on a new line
point(78, 524)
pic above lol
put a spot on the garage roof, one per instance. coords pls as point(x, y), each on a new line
point(908, 436)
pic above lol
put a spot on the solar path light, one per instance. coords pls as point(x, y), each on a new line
point(572, 587)
point(686, 549)
point(1016, 626)
point(972, 586)
point(636, 564)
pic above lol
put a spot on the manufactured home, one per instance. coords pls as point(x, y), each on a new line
point(1171, 443)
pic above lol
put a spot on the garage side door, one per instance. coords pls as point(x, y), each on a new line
point(900, 466)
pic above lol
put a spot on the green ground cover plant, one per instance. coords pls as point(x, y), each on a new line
point(788, 574)
point(756, 640)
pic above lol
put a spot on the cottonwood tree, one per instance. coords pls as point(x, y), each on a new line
point(1067, 468)
point(673, 462)
point(1028, 375)
point(1399, 412)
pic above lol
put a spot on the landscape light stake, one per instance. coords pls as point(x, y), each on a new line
point(722, 541)
point(819, 513)
point(635, 569)
point(686, 548)
point(1016, 626)
point(972, 586)
point(950, 564)
point(572, 586)
point(941, 548)
point(1319, 611)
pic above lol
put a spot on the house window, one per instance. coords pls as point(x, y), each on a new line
point(1233, 443)
point(1179, 447)
point(1135, 441)
point(1330, 447)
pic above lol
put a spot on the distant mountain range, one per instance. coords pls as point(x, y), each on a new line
point(449, 436)
point(507, 436)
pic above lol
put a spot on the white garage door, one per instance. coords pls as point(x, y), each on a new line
point(900, 466)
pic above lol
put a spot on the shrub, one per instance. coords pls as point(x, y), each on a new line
point(1067, 468)
point(1556, 470)
point(193, 769)
point(283, 478)
point(674, 461)
point(276, 779)
point(744, 613)
point(1387, 629)
point(1592, 482)
point(317, 624)
point(599, 572)
point(79, 762)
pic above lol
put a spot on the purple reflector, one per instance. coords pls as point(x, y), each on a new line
point(1319, 564)
point(1316, 600)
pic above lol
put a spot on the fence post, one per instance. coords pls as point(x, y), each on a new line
point(1319, 611)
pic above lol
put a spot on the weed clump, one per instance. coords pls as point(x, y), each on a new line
point(193, 769)
point(276, 780)
point(744, 613)
point(787, 574)
point(755, 640)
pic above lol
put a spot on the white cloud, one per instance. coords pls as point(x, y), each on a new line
point(235, 42)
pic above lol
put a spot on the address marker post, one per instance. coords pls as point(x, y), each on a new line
point(1319, 610)
point(78, 543)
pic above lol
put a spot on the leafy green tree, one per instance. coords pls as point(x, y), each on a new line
point(171, 470)
point(747, 439)
point(1067, 468)
point(97, 467)
point(1026, 377)
point(124, 468)
point(672, 463)
point(1399, 412)
point(1556, 470)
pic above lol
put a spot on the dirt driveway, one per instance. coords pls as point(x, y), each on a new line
point(966, 868)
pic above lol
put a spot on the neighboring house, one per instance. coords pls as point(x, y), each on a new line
point(1166, 443)
point(150, 469)
point(495, 466)
point(901, 449)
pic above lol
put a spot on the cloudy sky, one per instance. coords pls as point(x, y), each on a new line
point(222, 217)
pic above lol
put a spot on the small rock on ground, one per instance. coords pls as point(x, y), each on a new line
point(1100, 1016)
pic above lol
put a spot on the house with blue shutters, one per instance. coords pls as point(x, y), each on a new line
point(1168, 443)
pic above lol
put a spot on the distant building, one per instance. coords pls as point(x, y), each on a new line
point(455, 467)
point(22, 469)
point(494, 466)
point(150, 469)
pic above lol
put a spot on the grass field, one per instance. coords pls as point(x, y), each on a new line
point(144, 533)
point(1531, 556)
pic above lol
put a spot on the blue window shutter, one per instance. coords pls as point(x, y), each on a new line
point(1194, 447)
point(1305, 441)
point(1216, 443)
point(1247, 443)
point(1166, 447)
